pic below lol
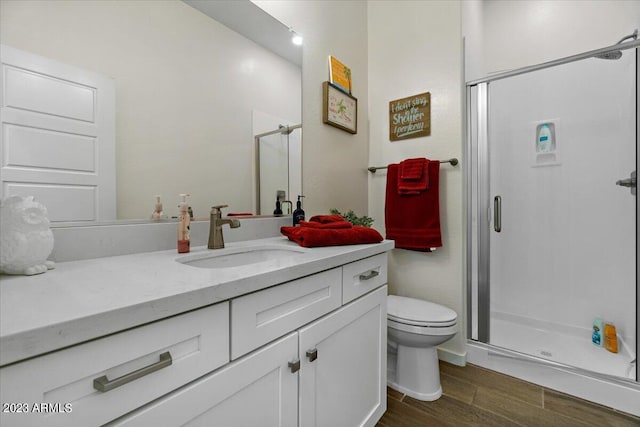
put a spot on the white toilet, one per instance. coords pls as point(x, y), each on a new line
point(414, 329)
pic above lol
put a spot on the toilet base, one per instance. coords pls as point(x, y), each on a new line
point(417, 373)
point(426, 397)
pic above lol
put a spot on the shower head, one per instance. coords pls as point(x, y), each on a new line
point(616, 54)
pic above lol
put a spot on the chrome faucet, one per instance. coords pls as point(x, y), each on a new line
point(216, 240)
point(290, 207)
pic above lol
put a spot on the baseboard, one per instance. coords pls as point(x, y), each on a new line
point(451, 357)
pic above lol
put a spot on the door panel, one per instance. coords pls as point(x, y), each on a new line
point(58, 137)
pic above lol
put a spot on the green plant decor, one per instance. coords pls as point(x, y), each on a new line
point(354, 219)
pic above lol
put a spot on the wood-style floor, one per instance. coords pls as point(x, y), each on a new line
point(473, 396)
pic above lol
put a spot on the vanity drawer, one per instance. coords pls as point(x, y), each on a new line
point(263, 316)
point(363, 276)
point(61, 384)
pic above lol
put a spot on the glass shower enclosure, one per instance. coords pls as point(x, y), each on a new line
point(552, 157)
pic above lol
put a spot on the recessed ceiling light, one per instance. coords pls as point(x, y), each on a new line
point(296, 39)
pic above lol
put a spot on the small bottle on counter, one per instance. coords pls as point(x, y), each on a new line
point(184, 224)
point(610, 338)
point(157, 213)
point(298, 214)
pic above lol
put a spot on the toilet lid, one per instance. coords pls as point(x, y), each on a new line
point(419, 312)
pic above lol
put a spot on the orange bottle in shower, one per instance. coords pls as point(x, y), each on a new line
point(610, 338)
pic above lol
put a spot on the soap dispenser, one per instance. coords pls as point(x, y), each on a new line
point(298, 214)
point(184, 223)
point(278, 210)
point(157, 213)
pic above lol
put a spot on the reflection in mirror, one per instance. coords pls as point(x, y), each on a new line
point(188, 90)
point(278, 169)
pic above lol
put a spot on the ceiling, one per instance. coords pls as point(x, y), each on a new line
point(247, 19)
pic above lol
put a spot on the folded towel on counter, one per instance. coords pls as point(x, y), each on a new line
point(413, 176)
point(413, 221)
point(239, 214)
point(310, 237)
point(325, 225)
point(325, 219)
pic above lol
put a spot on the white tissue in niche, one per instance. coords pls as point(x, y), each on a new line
point(25, 238)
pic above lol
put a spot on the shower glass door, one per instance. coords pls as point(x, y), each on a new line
point(562, 234)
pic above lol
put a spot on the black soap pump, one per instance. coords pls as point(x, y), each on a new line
point(278, 210)
point(298, 214)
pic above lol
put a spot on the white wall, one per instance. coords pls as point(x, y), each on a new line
point(416, 47)
point(519, 33)
point(185, 90)
point(334, 165)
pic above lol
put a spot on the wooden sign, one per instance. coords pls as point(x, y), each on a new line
point(410, 117)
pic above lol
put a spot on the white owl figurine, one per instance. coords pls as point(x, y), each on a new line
point(25, 238)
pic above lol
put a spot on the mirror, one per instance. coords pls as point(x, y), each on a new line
point(191, 93)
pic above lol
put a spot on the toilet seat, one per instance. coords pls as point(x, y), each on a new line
point(420, 313)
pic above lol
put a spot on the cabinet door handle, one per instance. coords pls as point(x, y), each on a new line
point(370, 275)
point(312, 354)
point(103, 384)
point(294, 366)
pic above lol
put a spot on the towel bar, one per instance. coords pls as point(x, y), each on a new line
point(453, 162)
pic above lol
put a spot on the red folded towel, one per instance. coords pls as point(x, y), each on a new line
point(310, 237)
point(239, 214)
point(413, 221)
point(412, 168)
point(324, 219)
point(325, 225)
point(413, 176)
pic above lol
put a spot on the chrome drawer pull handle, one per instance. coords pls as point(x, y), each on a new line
point(371, 275)
point(103, 384)
point(312, 354)
point(294, 366)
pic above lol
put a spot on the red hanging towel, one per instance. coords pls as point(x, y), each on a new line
point(413, 176)
point(413, 220)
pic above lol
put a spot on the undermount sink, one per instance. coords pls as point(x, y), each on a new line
point(237, 257)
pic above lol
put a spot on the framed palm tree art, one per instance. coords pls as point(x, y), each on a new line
point(339, 108)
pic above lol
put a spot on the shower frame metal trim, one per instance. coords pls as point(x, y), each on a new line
point(556, 62)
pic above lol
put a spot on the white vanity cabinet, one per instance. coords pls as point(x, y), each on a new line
point(310, 351)
point(329, 372)
point(343, 365)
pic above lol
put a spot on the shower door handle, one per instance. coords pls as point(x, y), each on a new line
point(497, 214)
point(630, 182)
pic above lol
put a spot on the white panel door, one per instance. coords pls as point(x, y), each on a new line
point(343, 365)
point(58, 136)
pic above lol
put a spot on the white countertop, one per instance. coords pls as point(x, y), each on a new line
point(82, 300)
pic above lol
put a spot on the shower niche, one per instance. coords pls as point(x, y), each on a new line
point(545, 146)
